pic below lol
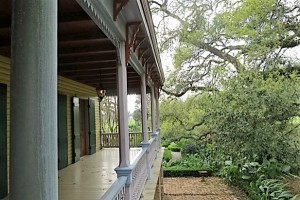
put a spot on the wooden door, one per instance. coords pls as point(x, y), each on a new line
point(76, 130)
point(83, 127)
point(3, 141)
point(92, 127)
point(62, 132)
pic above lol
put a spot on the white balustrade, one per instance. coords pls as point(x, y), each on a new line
point(136, 175)
point(139, 176)
point(117, 190)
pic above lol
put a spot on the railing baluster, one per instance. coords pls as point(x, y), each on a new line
point(111, 140)
point(116, 191)
point(135, 173)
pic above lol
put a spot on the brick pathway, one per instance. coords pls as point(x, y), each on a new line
point(194, 189)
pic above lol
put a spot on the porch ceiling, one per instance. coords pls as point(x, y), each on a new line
point(85, 54)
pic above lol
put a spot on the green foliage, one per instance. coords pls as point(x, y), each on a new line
point(269, 189)
point(190, 148)
point(178, 118)
point(183, 172)
point(165, 142)
point(174, 147)
point(192, 162)
point(259, 181)
point(167, 155)
point(247, 99)
point(133, 126)
point(252, 116)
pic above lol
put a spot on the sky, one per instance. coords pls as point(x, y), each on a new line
point(131, 103)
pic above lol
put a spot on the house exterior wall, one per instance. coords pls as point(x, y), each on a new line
point(70, 88)
point(66, 87)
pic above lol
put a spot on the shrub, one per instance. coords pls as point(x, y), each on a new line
point(184, 172)
point(190, 162)
point(165, 143)
point(190, 148)
point(259, 181)
point(167, 155)
point(174, 147)
point(269, 189)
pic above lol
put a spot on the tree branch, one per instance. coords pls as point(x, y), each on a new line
point(225, 56)
point(192, 88)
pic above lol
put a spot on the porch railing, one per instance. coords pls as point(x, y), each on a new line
point(135, 174)
point(111, 140)
point(117, 190)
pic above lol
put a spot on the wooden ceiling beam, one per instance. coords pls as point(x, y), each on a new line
point(84, 42)
point(113, 87)
point(72, 16)
point(87, 58)
point(95, 53)
point(84, 48)
point(103, 78)
point(85, 69)
point(108, 82)
point(98, 73)
point(111, 62)
point(80, 36)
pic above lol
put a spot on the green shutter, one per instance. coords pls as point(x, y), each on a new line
point(76, 130)
point(3, 141)
point(92, 127)
point(62, 132)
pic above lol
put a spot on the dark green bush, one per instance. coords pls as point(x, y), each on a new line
point(190, 148)
point(175, 149)
point(184, 172)
point(165, 143)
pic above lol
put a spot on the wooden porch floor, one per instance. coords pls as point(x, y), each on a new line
point(90, 177)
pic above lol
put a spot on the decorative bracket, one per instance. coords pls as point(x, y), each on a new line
point(141, 52)
point(139, 40)
point(147, 72)
point(132, 29)
point(118, 5)
point(149, 69)
point(145, 60)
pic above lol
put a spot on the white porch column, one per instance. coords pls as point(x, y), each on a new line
point(157, 110)
point(123, 111)
point(153, 110)
point(145, 143)
point(33, 139)
point(144, 109)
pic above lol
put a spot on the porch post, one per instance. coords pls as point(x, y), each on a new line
point(157, 109)
point(124, 161)
point(144, 109)
point(33, 142)
point(145, 143)
point(123, 111)
point(153, 111)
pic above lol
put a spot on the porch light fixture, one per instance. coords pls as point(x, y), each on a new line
point(101, 93)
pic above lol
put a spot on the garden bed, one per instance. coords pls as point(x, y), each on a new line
point(192, 188)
